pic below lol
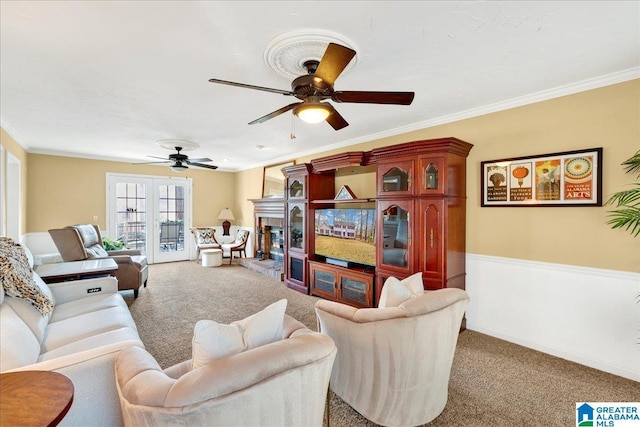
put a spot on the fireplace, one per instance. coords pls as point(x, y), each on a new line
point(269, 242)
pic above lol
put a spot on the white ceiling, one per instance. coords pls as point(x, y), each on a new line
point(108, 79)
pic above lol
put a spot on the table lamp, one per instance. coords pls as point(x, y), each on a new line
point(226, 215)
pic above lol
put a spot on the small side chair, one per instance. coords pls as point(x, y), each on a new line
point(239, 245)
point(205, 239)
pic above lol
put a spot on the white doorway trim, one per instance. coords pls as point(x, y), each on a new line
point(152, 215)
point(13, 199)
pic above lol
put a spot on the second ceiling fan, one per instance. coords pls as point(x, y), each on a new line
point(317, 86)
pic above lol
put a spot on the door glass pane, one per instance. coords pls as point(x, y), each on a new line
point(395, 236)
point(131, 215)
point(171, 217)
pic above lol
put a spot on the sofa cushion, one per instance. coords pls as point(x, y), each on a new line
point(18, 346)
point(86, 305)
point(120, 335)
point(86, 325)
point(17, 279)
point(213, 341)
point(395, 292)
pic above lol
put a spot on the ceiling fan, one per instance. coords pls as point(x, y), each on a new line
point(181, 162)
point(317, 86)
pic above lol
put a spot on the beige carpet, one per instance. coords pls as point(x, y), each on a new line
point(493, 382)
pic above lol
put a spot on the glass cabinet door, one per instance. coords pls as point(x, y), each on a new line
point(296, 227)
point(432, 175)
point(296, 187)
point(354, 290)
point(324, 281)
point(395, 178)
point(396, 235)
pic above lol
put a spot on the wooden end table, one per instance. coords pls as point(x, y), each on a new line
point(76, 270)
point(34, 398)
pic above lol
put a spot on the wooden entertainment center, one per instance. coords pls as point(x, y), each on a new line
point(420, 202)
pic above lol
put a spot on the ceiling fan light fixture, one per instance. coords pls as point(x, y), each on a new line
point(179, 167)
point(313, 113)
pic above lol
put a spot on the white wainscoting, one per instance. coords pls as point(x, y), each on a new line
point(586, 315)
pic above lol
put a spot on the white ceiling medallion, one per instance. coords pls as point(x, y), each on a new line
point(171, 144)
point(287, 53)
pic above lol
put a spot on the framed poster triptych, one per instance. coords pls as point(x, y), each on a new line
point(572, 178)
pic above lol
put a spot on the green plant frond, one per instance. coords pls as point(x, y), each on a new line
point(625, 197)
point(632, 165)
point(628, 218)
point(628, 201)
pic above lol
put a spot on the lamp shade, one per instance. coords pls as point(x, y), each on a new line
point(313, 112)
point(179, 167)
point(226, 214)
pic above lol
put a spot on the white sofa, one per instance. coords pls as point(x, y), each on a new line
point(80, 339)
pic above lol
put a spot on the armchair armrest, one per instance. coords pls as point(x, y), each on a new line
point(124, 252)
point(359, 315)
point(75, 289)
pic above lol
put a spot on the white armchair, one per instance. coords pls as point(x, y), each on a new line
point(280, 384)
point(393, 364)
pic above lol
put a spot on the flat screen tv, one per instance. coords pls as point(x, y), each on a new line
point(346, 235)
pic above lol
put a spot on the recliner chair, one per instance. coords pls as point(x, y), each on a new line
point(80, 242)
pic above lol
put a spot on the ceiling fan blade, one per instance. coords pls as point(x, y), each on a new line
point(152, 163)
point(336, 120)
point(246, 86)
point(333, 62)
point(365, 97)
point(203, 159)
point(202, 165)
point(156, 157)
point(275, 113)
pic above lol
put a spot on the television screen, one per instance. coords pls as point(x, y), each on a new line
point(346, 235)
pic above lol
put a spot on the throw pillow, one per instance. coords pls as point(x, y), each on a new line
point(206, 236)
point(395, 292)
point(213, 340)
point(16, 276)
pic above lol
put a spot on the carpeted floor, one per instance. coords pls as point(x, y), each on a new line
point(493, 382)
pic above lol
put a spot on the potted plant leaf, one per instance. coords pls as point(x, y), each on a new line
point(112, 245)
point(627, 202)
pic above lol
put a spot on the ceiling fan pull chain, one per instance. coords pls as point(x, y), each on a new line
point(293, 127)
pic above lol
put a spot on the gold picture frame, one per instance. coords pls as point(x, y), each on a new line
point(273, 180)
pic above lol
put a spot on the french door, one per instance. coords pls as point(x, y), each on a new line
point(152, 214)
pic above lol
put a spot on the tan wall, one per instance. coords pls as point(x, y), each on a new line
point(10, 144)
point(248, 187)
point(67, 190)
point(605, 117)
